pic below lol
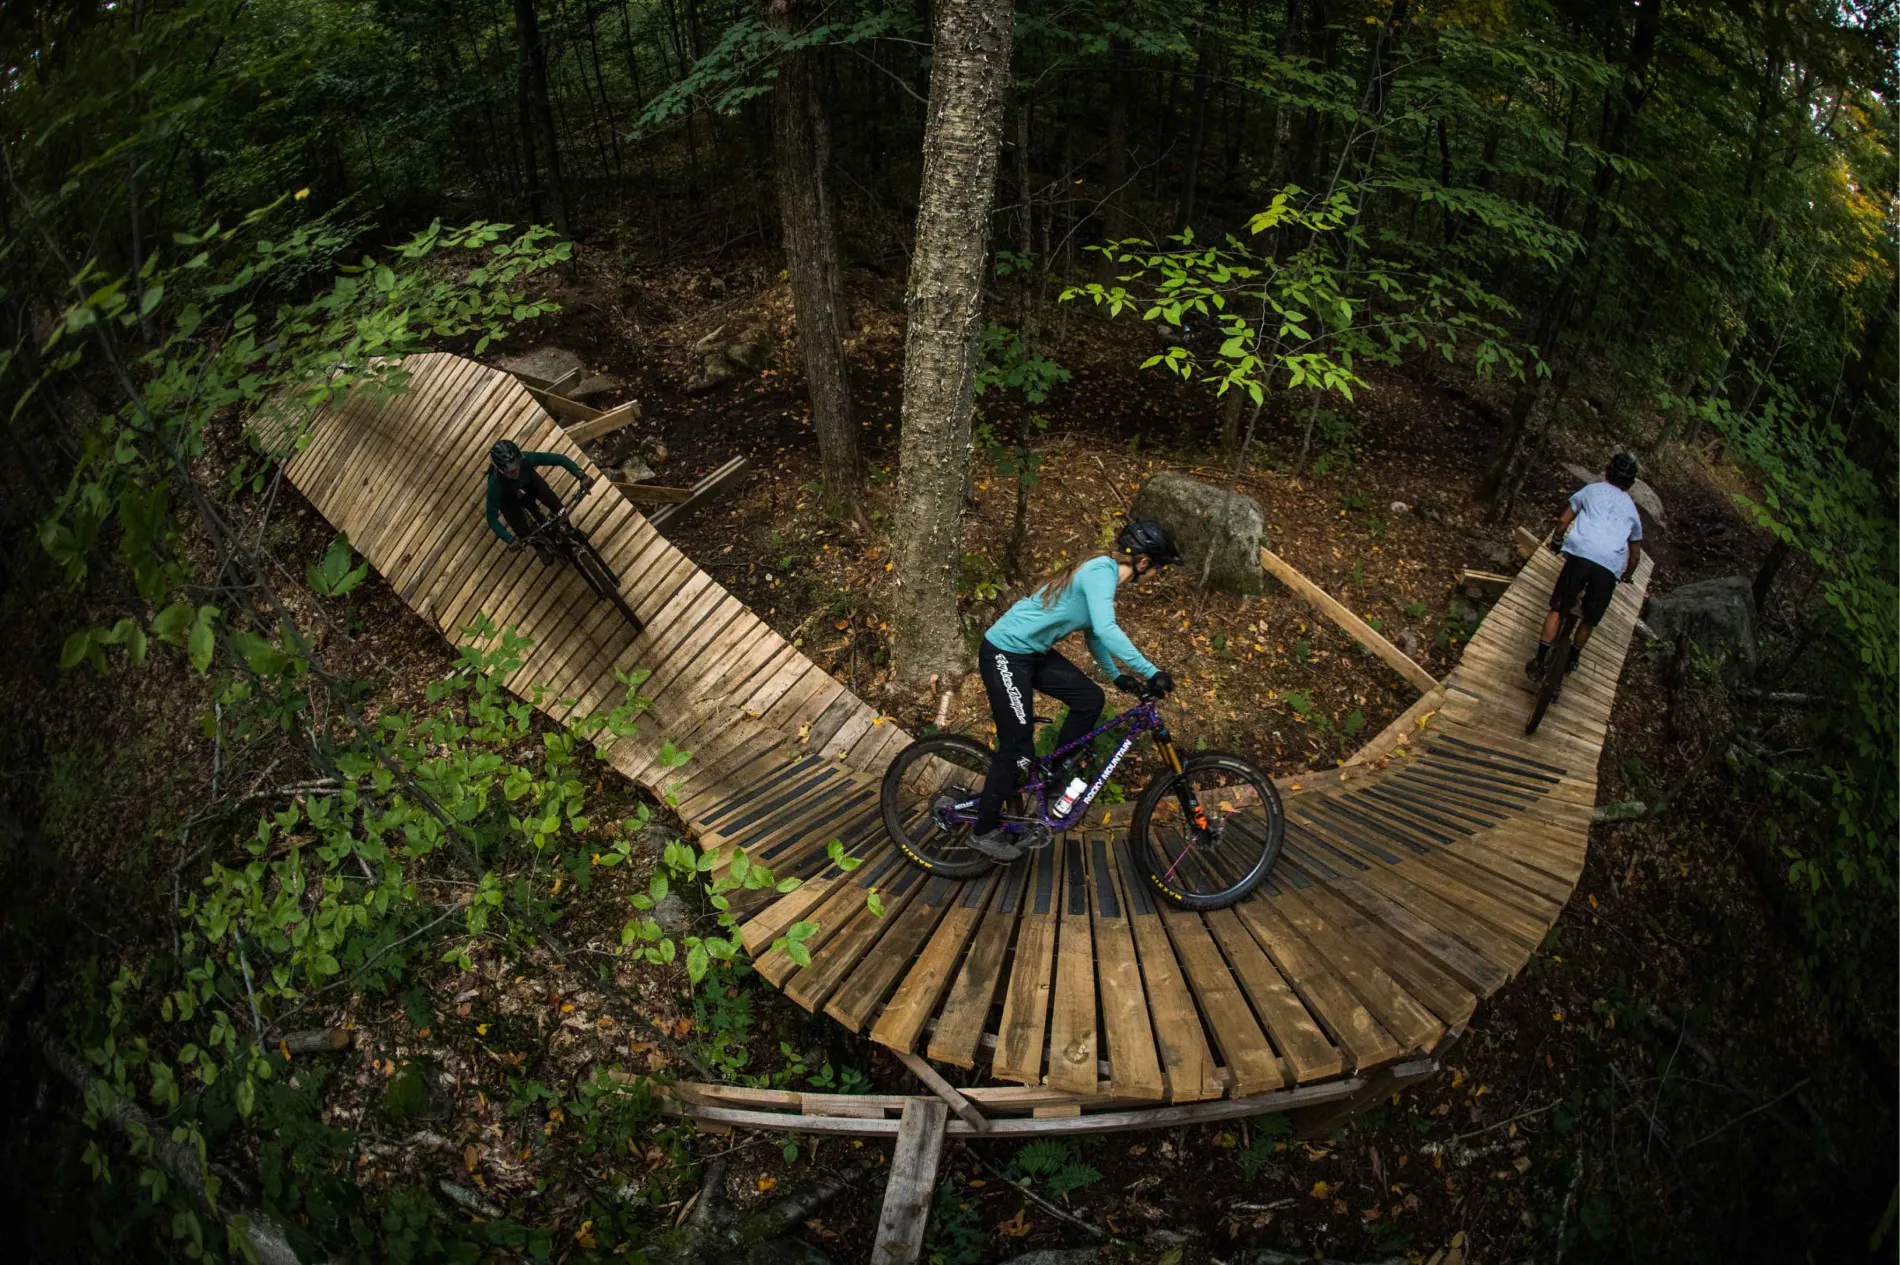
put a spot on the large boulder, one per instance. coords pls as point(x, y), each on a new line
point(1218, 531)
point(1718, 615)
point(1640, 492)
point(548, 363)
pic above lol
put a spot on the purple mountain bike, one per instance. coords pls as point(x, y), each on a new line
point(1204, 832)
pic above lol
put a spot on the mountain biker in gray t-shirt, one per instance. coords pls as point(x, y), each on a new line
point(1602, 536)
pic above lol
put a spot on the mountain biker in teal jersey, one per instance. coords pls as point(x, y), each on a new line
point(514, 488)
point(1602, 538)
point(1018, 656)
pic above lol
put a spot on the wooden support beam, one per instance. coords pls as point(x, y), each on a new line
point(1117, 1121)
point(705, 492)
point(1527, 544)
point(561, 408)
point(1485, 586)
point(1320, 1122)
point(652, 492)
point(912, 1184)
point(1401, 730)
point(965, 1109)
point(1361, 631)
point(621, 415)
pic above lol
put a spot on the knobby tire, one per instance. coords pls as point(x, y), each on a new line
point(1555, 670)
point(916, 846)
point(1149, 861)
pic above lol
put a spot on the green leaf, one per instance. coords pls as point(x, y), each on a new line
point(202, 642)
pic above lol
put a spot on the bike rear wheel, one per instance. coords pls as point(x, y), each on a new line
point(928, 796)
point(1555, 664)
point(1205, 837)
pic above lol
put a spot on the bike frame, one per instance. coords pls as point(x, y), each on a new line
point(1143, 717)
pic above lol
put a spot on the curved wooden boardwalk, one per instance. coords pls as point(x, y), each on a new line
point(1407, 891)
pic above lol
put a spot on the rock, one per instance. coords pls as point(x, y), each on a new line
point(1465, 611)
point(634, 470)
point(598, 384)
point(1648, 502)
point(1399, 507)
point(1640, 492)
point(720, 363)
point(1718, 615)
point(548, 363)
point(753, 350)
point(1495, 552)
point(1220, 531)
point(653, 448)
point(675, 919)
point(1410, 643)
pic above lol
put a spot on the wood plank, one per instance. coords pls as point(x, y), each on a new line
point(1301, 1043)
point(1237, 1036)
point(1134, 1065)
point(705, 492)
point(912, 1184)
point(605, 423)
point(966, 1007)
point(1359, 629)
point(903, 1019)
point(1361, 1037)
point(654, 493)
point(1072, 1029)
point(1019, 1035)
point(859, 996)
point(1186, 1062)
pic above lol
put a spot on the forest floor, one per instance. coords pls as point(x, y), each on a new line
point(1654, 1080)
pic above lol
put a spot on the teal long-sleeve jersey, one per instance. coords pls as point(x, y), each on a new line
point(1029, 627)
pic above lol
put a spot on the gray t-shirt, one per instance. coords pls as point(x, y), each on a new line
point(1606, 522)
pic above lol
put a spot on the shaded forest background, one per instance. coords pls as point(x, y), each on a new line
point(1668, 226)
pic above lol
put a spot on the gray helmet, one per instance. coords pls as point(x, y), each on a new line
point(1623, 470)
point(505, 454)
point(1145, 536)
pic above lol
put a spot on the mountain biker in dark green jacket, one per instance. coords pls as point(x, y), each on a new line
point(514, 491)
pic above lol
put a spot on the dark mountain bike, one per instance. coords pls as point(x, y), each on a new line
point(1205, 831)
point(1554, 670)
point(558, 535)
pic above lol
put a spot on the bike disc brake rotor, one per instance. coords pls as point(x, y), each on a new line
point(943, 807)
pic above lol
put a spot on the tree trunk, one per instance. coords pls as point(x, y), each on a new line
point(1114, 213)
point(1197, 134)
point(812, 260)
point(537, 118)
point(1496, 481)
point(968, 79)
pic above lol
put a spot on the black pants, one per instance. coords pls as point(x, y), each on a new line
point(516, 506)
point(1595, 581)
point(1011, 680)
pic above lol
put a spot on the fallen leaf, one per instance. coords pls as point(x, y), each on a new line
point(1017, 1226)
point(766, 1183)
point(471, 1156)
point(1321, 1190)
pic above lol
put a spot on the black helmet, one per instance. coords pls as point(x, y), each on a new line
point(1623, 470)
point(505, 455)
point(1145, 536)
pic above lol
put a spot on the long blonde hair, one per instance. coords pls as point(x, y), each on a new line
point(1057, 586)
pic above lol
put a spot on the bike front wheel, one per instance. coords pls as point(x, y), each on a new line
point(601, 578)
point(929, 803)
point(1205, 837)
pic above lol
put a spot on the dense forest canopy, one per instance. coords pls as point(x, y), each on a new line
point(1668, 223)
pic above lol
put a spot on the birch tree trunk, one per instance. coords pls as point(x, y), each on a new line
point(968, 79)
point(799, 156)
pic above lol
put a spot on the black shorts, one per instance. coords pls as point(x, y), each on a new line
point(1595, 581)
